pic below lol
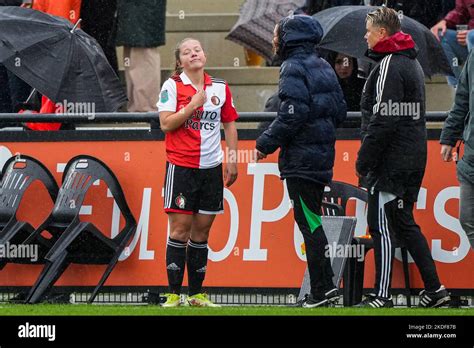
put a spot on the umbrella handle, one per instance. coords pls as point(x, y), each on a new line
point(30, 96)
point(76, 25)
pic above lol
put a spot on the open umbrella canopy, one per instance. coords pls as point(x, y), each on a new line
point(344, 31)
point(254, 29)
point(61, 63)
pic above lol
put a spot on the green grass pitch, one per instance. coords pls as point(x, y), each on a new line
point(154, 310)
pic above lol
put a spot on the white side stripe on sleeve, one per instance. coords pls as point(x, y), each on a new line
point(384, 65)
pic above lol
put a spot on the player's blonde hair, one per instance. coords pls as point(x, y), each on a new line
point(387, 18)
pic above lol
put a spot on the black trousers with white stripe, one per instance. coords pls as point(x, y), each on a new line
point(390, 217)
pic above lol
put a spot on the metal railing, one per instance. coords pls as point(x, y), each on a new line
point(146, 117)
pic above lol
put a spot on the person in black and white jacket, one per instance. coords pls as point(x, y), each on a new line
point(393, 154)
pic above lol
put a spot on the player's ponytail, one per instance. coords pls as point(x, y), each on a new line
point(177, 68)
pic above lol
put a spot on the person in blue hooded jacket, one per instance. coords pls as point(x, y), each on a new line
point(312, 107)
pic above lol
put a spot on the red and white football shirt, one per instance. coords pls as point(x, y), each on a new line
point(197, 143)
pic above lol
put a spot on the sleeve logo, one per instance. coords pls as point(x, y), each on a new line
point(164, 96)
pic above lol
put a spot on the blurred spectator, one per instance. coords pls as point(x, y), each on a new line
point(47, 107)
point(13, 90)
point(456, 35)
point(141, 30)
point(423, 11)
point(98, 19)
point(68, 9)
point(447, 6)
point(347, 73)
point(314, 6)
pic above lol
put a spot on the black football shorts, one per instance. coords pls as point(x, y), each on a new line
point(193, 190)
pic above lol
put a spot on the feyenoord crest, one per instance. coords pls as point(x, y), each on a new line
point(180, 201)
point(215, 100)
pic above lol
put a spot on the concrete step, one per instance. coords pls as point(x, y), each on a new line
point(203, 6)
point(219, 51)
point(208, 22)
point(211, 30)
point(439, 95)
point(252, 86)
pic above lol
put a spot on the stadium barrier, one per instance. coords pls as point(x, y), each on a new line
point(255, 247)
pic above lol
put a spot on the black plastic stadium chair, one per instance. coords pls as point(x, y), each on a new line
point(339, 193)
point(81, 242)
point(339, 230)
point(331, 209)
point(19, 173)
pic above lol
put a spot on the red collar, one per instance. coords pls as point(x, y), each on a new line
point(395, 43)
point(207, 79)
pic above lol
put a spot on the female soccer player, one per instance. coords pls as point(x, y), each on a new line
point(192, 107)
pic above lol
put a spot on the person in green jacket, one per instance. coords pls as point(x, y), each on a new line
point(460, 126)
point(141, 30)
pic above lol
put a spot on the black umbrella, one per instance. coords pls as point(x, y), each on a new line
point(62, 62)
point(344, 31)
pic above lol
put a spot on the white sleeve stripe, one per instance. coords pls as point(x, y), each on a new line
point(378, 85)
point(379, 80)
point(384, 66)
point(385, 76)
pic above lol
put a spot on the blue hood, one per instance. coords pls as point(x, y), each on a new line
point(298, 31)
point(311, 105)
